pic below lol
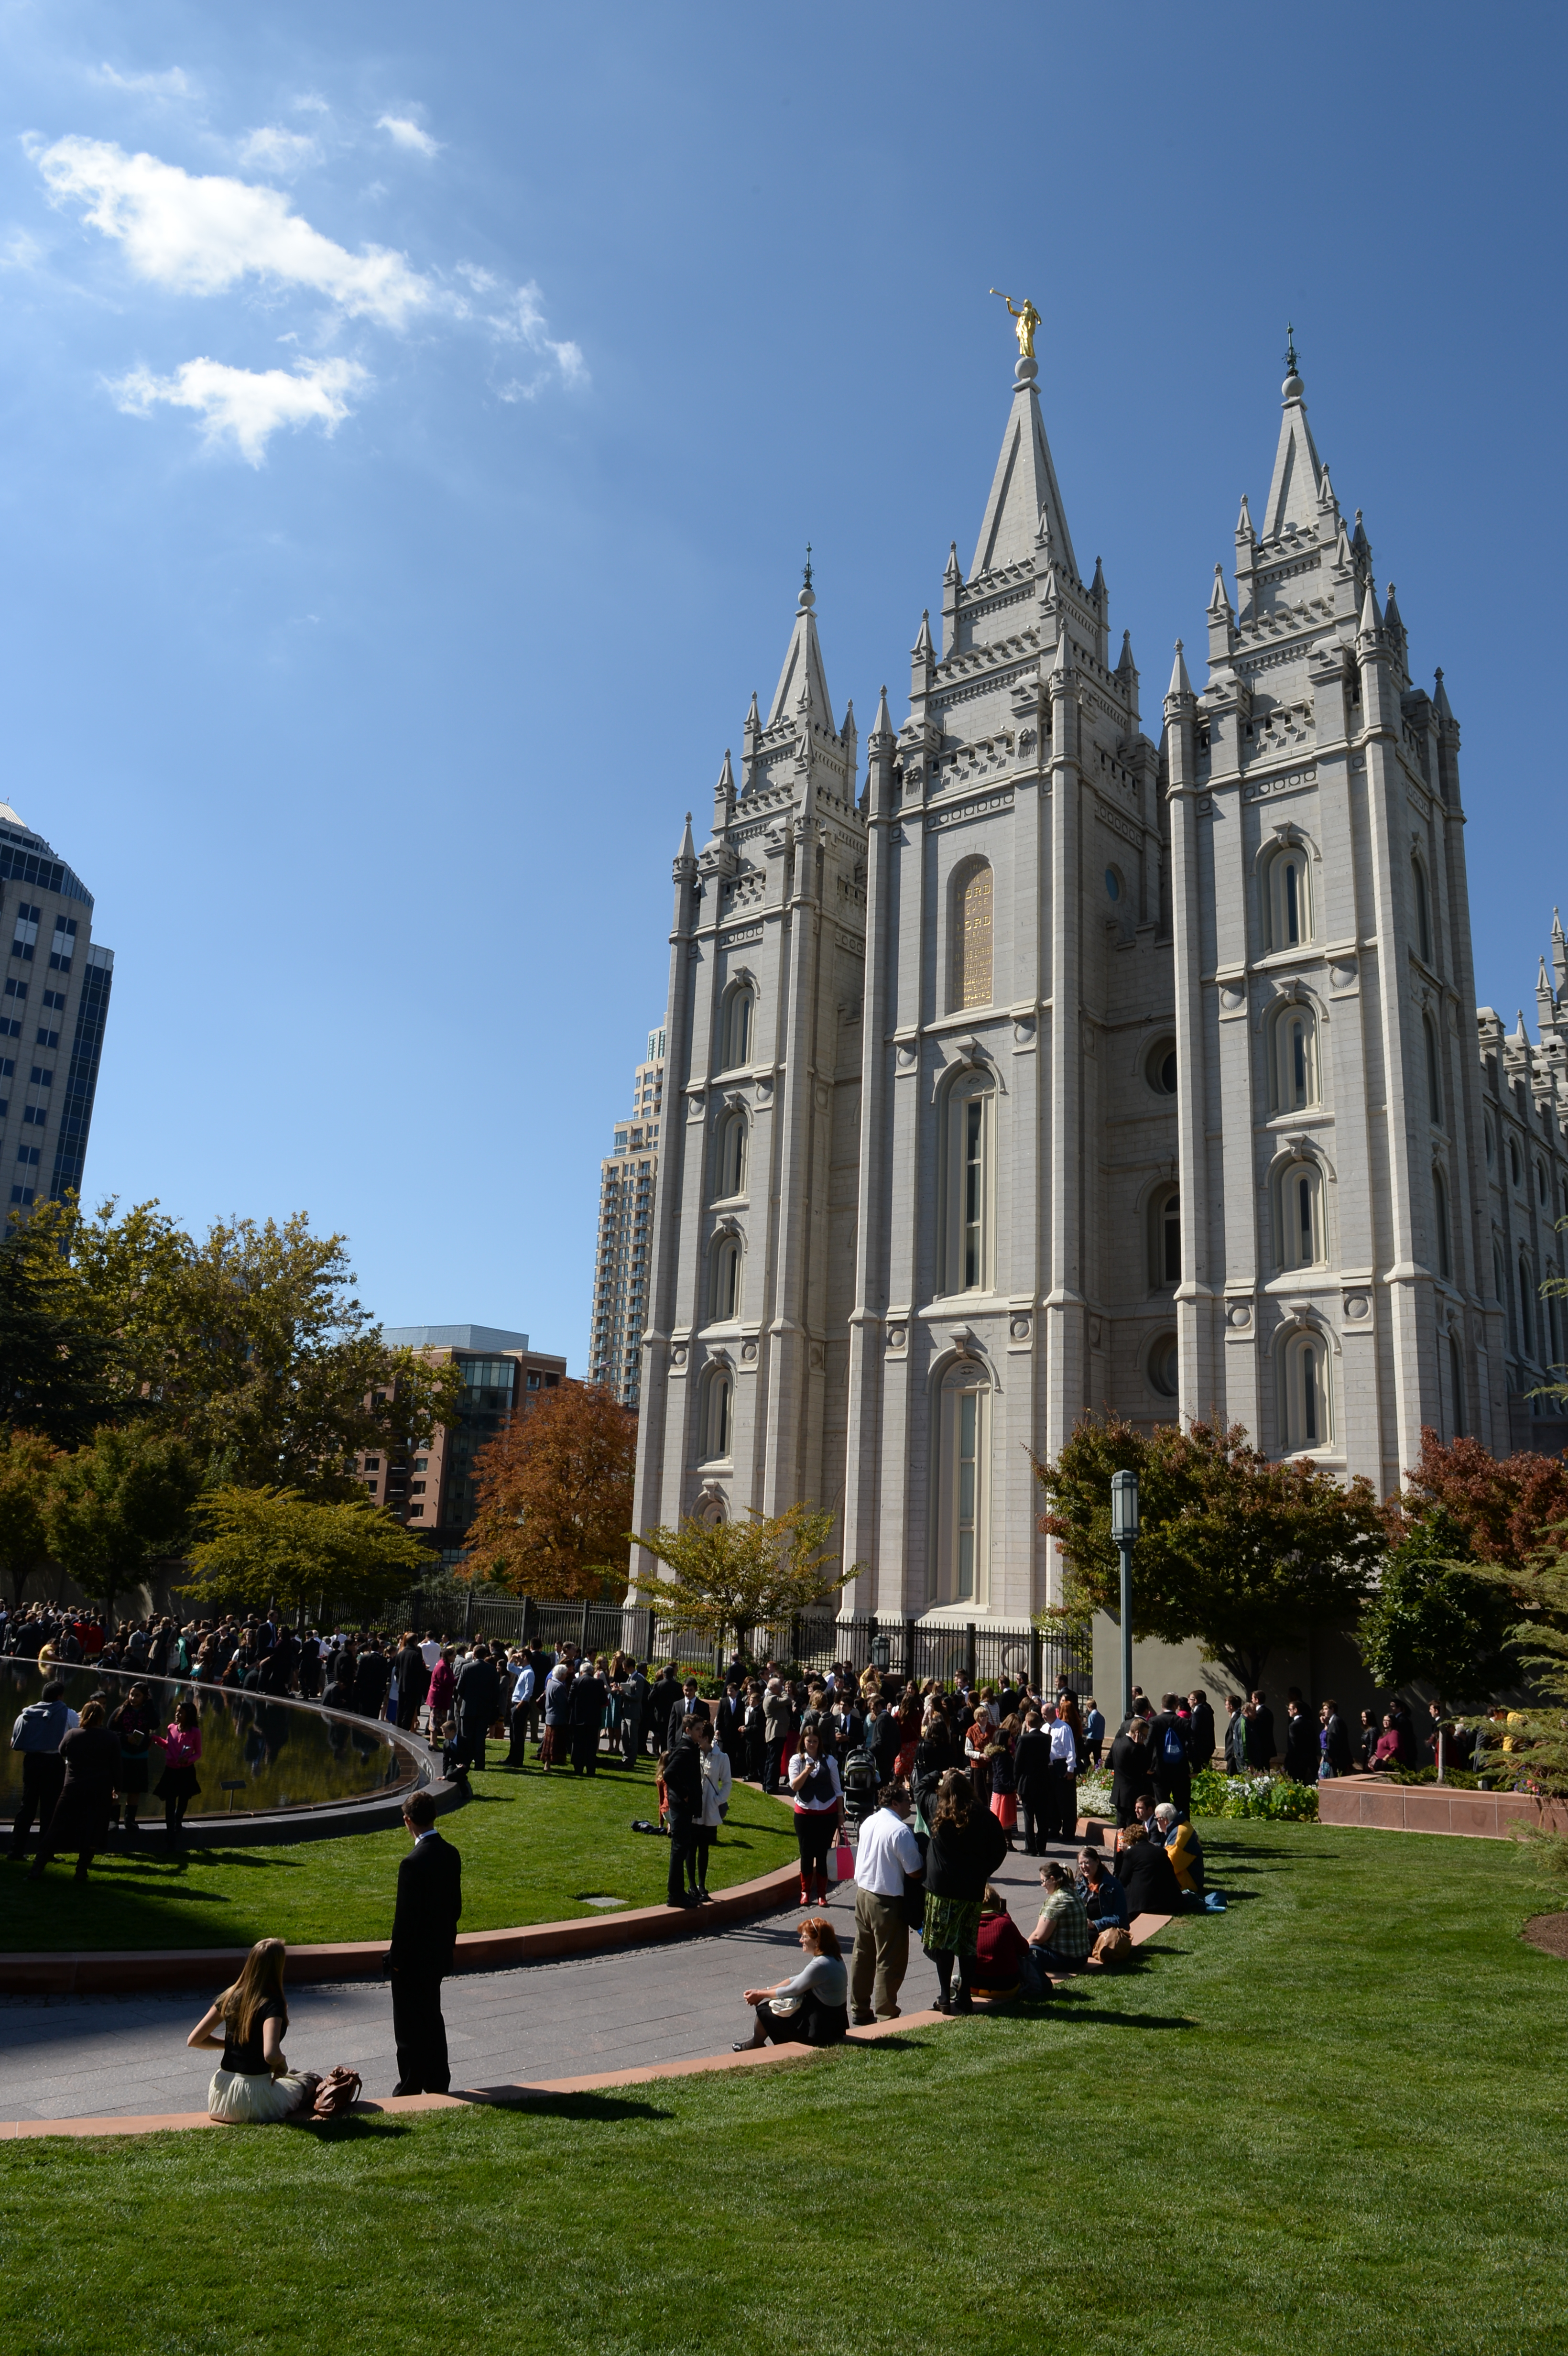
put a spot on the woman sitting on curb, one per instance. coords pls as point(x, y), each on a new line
point(255, 2082)
point(812, 2008)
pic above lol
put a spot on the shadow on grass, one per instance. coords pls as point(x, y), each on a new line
point(355, 2128)
point(575, 2106)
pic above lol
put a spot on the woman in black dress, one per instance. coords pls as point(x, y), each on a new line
point(81, 1820)
point(134, 1725)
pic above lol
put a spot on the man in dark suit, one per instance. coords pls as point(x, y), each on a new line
point(478, 1699)
point(424, 1937)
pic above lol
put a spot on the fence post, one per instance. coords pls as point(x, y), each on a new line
point(909, 1644)
point(1036, 1658)
point(468, 1613)
point(971, 1656)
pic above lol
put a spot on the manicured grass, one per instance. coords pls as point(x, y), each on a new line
point(1328, 2120)
point(534, 1847)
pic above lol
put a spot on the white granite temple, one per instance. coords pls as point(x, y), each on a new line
point(1025, 1064)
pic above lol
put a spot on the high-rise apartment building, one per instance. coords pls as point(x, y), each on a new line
point(626, 1180)
point(52, 1011)
point(433, 1489)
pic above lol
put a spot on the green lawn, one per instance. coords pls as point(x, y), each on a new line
point(534, 1847)
point(1331, 2119)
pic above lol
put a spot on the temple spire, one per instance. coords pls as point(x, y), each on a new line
point(803, 682)
point(1025, 498)
point(1293, 493)
point(1179, 683)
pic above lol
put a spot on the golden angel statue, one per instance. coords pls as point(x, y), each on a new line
point(1028, 318)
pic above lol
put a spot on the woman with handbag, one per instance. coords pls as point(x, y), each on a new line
point(253, 2083)
point(819, 1796)
point(811, 2008)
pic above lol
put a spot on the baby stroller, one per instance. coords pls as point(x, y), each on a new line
point(859, 1787)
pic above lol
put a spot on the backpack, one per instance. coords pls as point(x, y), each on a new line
point(1111, 1949)
point(1172, 1749)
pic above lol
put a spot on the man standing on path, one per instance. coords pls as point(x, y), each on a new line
point(37, 1735)
point(424, 1939)
point(1171, 1763)
point(887, 1855)
point(683, 1807)
point(1199, 1730)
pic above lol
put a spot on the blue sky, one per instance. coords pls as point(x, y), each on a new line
point(412, 421)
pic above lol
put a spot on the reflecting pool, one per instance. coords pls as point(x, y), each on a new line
point(270, 1754)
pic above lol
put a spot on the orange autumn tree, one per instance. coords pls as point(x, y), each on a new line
point(555, 1496)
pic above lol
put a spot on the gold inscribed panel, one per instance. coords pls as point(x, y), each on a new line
point(975, 940)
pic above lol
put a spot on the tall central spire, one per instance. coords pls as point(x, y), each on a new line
point(1024, 491)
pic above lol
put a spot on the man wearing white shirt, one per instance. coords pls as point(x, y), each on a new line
point(429, 1651)
point(887, 1854)
point(1062, 1810)
point(522, 1697)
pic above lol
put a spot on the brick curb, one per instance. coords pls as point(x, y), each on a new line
point(497, 2097)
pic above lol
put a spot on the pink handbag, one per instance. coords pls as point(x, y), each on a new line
point(843, 1862)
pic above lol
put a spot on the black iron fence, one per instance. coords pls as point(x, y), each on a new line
point(813, 1641)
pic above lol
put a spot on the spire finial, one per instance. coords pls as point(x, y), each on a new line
point(807, 581)
point(1290, 347)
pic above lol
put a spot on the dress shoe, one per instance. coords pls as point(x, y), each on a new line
point(401, 2088)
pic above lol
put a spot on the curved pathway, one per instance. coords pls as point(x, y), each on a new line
point(102, 2057)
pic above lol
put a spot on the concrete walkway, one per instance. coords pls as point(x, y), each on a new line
point(75, 2057)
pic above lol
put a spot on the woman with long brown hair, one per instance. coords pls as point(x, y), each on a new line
point(253, 2083)
point(968, 1844)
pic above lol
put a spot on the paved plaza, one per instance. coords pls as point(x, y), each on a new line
point(107, 2056)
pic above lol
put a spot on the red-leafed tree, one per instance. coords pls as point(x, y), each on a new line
point(555, 1496)
point(1505, 1506)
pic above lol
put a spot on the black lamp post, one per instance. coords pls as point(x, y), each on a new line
point(1124, 1530)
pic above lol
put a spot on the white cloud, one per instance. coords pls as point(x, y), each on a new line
point(201, 234)
point(174, 83)
point(409, 135)
point(273, 149)
point(245, 407)
point(19, 250)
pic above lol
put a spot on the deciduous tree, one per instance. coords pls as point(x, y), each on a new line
point(728, 1578)
point(27, 1468)
point(1504, 1504)
point(1432, 1617)
point(118, 1504)
point(555, 1495)
point(1242, 1552)
point(264, 1546)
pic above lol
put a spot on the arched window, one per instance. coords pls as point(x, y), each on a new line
point(1163, 1366)
point(719, 1402)
point(1300, 1222)
point(972, 983)
point(1440, 1221)
point(727, 1279)
point(1541, 1184)
point(734, 1144)
point(1456, 1384)
point(1289, 906)
point(1434, 1080)
point(1499, 1283)
point(739, 1012)
point(968, 1250)
point(1526, 1307)
point(963, 1486)
point(1515, 1166)
point(1422, 900)
point(1492, 1141)
point(1306, 1370)
point(1165, 1239)
point(1294, 1058)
